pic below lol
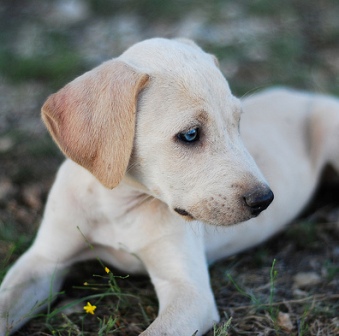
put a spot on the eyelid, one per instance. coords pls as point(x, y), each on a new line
point(190, 128)
point(181, 136)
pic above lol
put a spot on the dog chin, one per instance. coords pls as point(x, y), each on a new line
point(216, 219)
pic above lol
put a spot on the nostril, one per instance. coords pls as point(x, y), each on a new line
point(258, 200)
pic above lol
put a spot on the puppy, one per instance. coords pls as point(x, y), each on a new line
point(153, 141)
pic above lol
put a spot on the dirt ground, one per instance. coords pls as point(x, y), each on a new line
point(259, 44)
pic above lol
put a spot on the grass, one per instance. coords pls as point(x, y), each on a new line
point(295, 44)
point(255, 288)
point(257, 303)
point(30, 149)
point(223, 329)
point(108, 302)
point(250, 298)
point(12, 245)
point(109, 287)
point(270, 317)
point(54, 69)
point(148, 9)
point(261, 302)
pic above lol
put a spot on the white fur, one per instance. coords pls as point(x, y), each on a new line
point(134, 227)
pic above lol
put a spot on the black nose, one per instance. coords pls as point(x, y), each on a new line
point(258, 200)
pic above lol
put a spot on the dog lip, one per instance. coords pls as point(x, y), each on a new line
point(183, 212)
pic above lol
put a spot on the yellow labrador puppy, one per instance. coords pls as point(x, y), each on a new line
point(153, 141)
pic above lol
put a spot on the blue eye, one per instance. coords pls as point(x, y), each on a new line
point(190, 136)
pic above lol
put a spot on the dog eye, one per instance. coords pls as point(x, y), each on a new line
point(190, 136)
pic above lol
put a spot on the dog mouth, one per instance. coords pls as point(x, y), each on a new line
point(184, 213)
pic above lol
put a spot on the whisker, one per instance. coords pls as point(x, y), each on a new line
point(254, 90)
point(130, 167)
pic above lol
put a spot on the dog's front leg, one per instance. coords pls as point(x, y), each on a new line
point(28, 287)
point(178, 270)
point(34, 280)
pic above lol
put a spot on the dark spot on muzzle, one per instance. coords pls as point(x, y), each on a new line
point(258, 200)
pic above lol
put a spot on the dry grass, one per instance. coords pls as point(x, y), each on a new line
point(300, 49)
point(260, 298)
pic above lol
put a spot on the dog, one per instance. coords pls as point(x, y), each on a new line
point(162, 162)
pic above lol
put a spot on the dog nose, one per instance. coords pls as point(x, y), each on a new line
point(258, 200)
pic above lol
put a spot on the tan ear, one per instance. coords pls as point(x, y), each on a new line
point(92, 119)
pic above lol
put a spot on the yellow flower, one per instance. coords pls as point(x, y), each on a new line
point(86, 283)
point(89, 309)
point(107, 270)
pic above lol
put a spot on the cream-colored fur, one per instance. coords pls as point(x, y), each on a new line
point(122, 126)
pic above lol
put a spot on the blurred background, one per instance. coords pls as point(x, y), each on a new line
point(45, 44)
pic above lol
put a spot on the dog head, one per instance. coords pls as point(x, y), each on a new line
point(164, 112)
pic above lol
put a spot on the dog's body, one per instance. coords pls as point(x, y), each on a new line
point(184, 160)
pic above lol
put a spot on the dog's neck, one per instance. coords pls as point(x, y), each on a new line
point(134, 184)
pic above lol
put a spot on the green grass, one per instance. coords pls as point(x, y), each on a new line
point(256, 289)
point(54, 69)
point(37, 156)
point(255, 298)
point(13, 243)
point(148, 9)
point(223, 329)
point(257, 302)
point(266, 311)
point(294, 48)
point(332, 270)
point(111, 305)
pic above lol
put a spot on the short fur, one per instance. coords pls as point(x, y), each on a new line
point(120, 126)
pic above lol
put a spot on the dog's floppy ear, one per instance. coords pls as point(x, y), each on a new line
point(92, 119)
